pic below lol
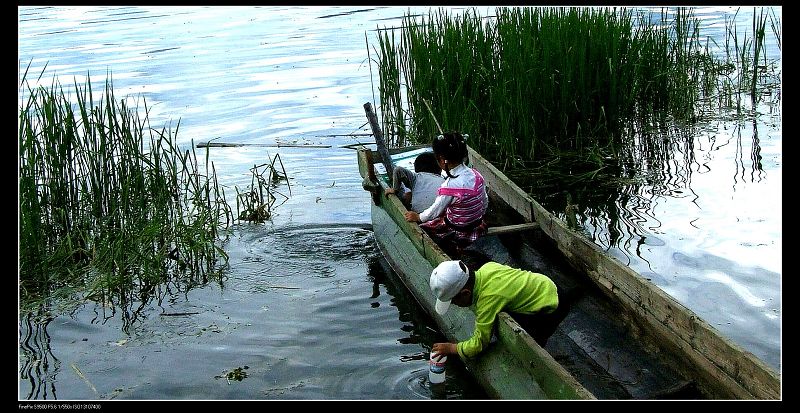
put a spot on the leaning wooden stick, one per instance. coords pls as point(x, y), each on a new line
point(379, 141)
point(433, 116)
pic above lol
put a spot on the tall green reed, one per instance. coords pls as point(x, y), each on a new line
point(746, 69)
point(535, 81)
point(107, 203)
point(563, 98)
point(256, 203)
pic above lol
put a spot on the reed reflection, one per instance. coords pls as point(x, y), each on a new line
point(38, 364)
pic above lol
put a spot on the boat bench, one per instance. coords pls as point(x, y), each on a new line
point(507, 229)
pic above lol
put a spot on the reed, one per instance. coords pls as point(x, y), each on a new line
point(590, 96)
point(775, 25)
point(759, 25)
point(536, 81)
point(256, 203)
point(107, 203)
point(746, 69)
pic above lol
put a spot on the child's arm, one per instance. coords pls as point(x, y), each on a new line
point(436, 209)
point(485, 315)
point(404, 176)
point(486, 311)
point(401, 176)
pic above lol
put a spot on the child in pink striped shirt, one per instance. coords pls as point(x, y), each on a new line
point(455, 219)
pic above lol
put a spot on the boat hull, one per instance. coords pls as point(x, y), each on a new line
point(502, 374)
point(625, 338)
point(720, 367)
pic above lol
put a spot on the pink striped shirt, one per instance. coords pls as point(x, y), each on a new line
point(463, 200)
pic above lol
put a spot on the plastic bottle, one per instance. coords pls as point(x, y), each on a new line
point(436, 373)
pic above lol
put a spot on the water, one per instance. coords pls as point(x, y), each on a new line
point(307, 313)
point(708, 231)
point(309, 309)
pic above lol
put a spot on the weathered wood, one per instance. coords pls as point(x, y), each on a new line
point(503, 187)
point(551, 376)
point(725, 368)
point(367, 170)
point(499, 370)
point(365, 166)
point(508, 229)
point(266, 145)
point(413, 255)
point(380, 142)
point(719, 366)
point(333, 135)
point(355, 145)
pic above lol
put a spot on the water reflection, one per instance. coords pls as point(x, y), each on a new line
point(756, 169)
point(701, 189)
point(422, 330)
point(619, 209)
point(312, 310)
point(38, 365)
point(686, 208)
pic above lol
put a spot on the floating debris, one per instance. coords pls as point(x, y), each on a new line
point(237, 374)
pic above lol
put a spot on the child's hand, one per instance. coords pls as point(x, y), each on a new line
point(411, 216)
point(444, 348)
point(388, 191)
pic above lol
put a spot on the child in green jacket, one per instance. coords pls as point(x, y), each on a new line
point(530, 298)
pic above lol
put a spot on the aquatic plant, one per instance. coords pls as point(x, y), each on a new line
point(567, 98)
point(110, 206)
point(256, 203)
point(533, 81)
point(529, 83)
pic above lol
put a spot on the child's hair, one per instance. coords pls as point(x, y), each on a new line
point(426, 162)
point(474, 259)
point(452, 147)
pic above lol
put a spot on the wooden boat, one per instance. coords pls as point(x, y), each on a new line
point(623, 338)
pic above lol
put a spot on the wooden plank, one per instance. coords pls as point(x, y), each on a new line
point(380, 142)
point(421, 240)
point(263, 145)
point(505, 377)
point(403, 256)
point(551, 376)
point(498, 183)
point(498, 369)
point(726, 368)
point(500, 373)
point(365, 167)
point(508, 229)
point(720, 368)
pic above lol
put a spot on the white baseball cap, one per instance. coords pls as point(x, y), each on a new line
point(447, 279)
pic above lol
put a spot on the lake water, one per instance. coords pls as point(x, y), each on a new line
point(309, 309)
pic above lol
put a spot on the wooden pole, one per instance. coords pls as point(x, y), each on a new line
point(266, 145)
point(379, 141)
point(433, 116)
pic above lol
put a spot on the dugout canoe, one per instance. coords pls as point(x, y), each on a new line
point(624, 338)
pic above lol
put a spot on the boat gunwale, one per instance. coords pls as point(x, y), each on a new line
point(725, 368)
point(550, 376)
